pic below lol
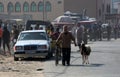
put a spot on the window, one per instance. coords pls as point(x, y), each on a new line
point(33, 7)
point(59, 2)
point(1, 7)
point(40, 6)
point(26, 7)
point(10, 7)
point(17, 7)
point(48, 6)
point(33, 36)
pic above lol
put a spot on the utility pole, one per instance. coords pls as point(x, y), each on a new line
point(84, 14)
point(43, 9)
point(104, 11)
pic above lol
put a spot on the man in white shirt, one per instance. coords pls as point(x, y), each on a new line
point(79, 35)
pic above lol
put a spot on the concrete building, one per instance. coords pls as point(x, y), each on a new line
point(50, 9)
point(31, 9)
point(116, 7)
point(94, 8)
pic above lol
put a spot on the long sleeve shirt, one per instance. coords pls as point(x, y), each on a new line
point(66, 39)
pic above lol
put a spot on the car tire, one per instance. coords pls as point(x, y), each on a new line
point(16, 58)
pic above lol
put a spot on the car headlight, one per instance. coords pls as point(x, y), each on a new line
point(42, 47)
point(18, 48)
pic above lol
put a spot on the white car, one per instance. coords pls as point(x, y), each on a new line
point(32, 43)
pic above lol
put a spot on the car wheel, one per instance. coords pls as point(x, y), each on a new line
point(16, 58)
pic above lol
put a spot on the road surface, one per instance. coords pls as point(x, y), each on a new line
point(104, 62)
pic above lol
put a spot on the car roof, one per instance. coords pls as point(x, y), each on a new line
point(33, 31)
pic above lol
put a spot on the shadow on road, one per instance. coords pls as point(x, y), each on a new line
point(87, 65)
point(33, 59)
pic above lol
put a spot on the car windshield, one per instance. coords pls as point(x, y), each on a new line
point(33, 36)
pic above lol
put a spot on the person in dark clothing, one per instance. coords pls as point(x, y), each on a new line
point(115, 29)
point(56, 34)
point(1, 32)
point(108, 32)
point(95, 31)
point(15, 34)
point(100, 32)
point(6, 39)
point(90, 32)
point(66, 37)
point(85, 38)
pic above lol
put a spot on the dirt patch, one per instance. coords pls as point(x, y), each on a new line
point(11, 68)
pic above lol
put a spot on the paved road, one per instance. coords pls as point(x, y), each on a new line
point(104, 62)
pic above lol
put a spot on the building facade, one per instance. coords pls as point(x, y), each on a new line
point(50, 9)
point(116, 7)
point(30, 9)
point(94, 8)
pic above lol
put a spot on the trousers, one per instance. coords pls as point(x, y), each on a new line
point(66, 52)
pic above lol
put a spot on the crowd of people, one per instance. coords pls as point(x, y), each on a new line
point(6, 37)
point(64, 38)
point(99, 32)
point(80, 38)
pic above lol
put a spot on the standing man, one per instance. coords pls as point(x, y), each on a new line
point(6, 39)
point(79, 35)
point(85, 38)
point(54, 37)
point(115, 29)
point(15, 34)
point(1, 32)
point(108, 32)
point(66, 37)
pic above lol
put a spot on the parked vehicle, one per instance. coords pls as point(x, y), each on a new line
point(37, 24)
point(32, 43)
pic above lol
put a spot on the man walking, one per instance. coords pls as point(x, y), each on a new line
point(66, 37)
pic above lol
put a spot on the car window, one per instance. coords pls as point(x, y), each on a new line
point(33, 36)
